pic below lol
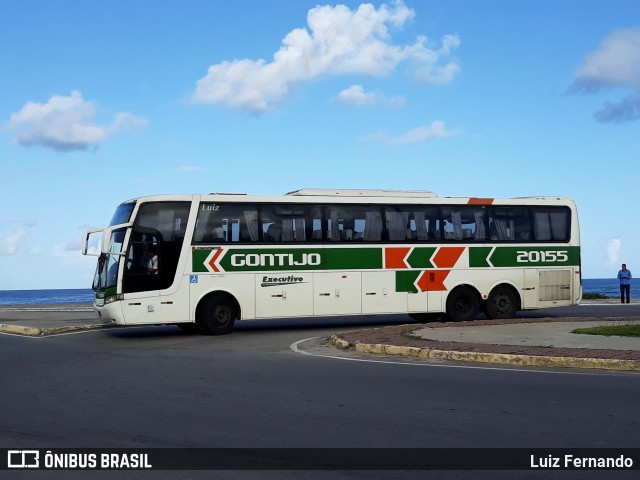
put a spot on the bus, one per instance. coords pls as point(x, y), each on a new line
point(225, 257)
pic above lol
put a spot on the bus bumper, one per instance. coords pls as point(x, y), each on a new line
point(110, 314)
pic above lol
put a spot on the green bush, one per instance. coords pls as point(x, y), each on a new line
point(594, 296)
point(629, 330)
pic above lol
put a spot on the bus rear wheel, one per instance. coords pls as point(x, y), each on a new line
point(463, 305)
point(502, 303)
point(217, 315)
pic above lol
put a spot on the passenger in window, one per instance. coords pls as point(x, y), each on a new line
point(152, 266)
point(273, 233)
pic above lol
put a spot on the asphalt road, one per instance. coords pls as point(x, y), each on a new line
point(156, 387)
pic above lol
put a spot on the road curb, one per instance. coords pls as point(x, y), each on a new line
point(42, 332)
point(501, 358)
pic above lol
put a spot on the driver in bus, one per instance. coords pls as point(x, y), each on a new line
point(152, 266)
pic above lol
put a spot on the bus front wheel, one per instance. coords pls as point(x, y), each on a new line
point(463, 304)
point(502, 303)
point(218, 315)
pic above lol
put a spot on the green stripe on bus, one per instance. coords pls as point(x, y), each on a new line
point(197, 259)
point(352, 258)
point(420, 257)
point(405, 280)
point(535, 256)
point(271, 259)
point(478, 256)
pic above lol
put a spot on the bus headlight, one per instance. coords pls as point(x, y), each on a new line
point(113, 298)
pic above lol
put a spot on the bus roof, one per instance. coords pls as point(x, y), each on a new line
point(352, 192)
point(365, 195)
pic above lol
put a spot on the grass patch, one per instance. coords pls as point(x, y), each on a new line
point(629, 330)
point(594, 296)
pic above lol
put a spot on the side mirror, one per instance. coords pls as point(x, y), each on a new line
point(85, 242)
point(105, 244)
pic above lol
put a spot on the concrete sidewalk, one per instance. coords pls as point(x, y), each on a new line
point(545, 342)
point(552, 335)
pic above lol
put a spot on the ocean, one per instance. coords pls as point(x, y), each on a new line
point(604, 286)
point(41, 297)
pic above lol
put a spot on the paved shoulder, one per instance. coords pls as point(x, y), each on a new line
point(41, 320)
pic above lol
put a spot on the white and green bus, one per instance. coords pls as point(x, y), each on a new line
point(320, 252)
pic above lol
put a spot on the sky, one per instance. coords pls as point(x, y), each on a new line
point(108, 101)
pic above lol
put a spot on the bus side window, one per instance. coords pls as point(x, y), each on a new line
point(215, 235)
point(273, 233)
point(493, 231)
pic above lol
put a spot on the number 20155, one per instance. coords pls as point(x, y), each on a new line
point(535, 256)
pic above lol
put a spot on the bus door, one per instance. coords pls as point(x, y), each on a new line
point(141, 283)
point(153, 292)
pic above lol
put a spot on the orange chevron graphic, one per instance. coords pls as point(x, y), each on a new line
point(446, 257)
point(212, 262)
point(432, 281)
point(394, 257)
point(480, 201)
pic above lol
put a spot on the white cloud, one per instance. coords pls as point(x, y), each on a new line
point(427, 68)
point(66, 123)
point(614, 247)
point(626, 110)
point(421, 134)
point(13, 242)
point(614, 64)
point(338, 41)
point(355, 95)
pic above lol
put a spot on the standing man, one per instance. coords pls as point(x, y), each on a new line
point(624, 276)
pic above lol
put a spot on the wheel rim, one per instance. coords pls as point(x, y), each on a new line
point(462, 305)
point(502, 303)
point(222, 316)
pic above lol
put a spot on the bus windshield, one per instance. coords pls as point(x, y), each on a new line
point(107, 270)
point(106, 275)
point(122, 214)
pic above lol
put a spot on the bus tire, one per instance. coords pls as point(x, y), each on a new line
point(463, 304)
point(502, 303)
point(218, 313)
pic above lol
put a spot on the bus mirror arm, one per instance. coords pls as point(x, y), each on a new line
point(85, 242)
point(105, 246)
